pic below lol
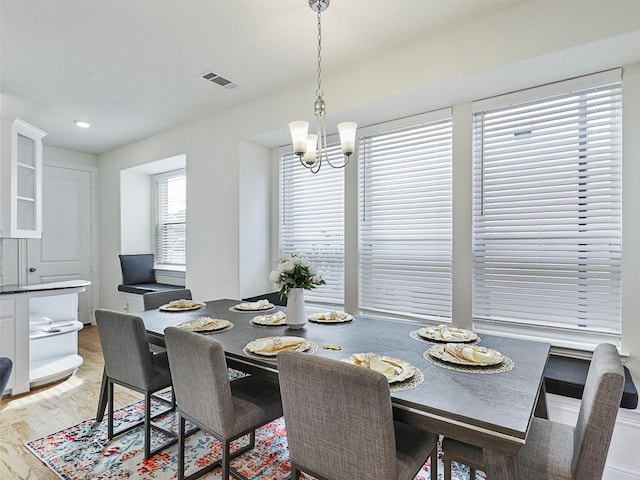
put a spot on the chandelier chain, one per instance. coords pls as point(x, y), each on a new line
point(319, 89)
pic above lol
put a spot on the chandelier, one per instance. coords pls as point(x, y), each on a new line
point(311, 149)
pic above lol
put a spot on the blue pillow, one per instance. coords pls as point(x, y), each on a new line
point(137, 269)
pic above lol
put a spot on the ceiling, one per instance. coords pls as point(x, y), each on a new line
point(133, 68)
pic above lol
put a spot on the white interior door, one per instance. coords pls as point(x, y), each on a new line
point(65, 250)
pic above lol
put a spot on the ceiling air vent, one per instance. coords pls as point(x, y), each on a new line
point(223, 82)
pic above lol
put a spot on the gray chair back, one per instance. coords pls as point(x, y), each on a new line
point(598, 410)
point(125, 349)
point(193, 357)
point(153, 300)
point(338, 418)
point(6, 365)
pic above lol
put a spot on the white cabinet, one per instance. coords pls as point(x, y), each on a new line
point(22, 180)
point(131, 302)
point(39, 332)
point(8, 332)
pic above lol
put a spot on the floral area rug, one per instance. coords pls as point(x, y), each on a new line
point(84, 452)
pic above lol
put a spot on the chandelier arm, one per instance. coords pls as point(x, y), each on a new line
point(346, 161)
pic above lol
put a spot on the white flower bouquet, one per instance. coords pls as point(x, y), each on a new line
point(295, 271)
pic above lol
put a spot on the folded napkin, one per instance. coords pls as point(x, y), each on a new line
point(183, 303)
point(473, 353)
point(203, 322)
point(276, 344)
point(450, 333)
point(272, 319)
point(374, 362)
point(259, 305)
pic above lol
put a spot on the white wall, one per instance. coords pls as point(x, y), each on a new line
point(254, 205)
point(528, 45)
point(136, 234)
point(54, 155)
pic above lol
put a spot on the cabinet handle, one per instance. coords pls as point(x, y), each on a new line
point(31, 270)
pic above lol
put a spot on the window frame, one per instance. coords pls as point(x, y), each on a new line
point(160, 263)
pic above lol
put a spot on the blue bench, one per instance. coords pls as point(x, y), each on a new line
point(138, 275)
point(566, 376)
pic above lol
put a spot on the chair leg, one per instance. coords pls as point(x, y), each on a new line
point(472, 473)
point(110, 412)
point(147, 426)
point(224, 462)
point(447, 467)
point(434, 464)
point(102, 399)
point(295, 473)
point(181, 441)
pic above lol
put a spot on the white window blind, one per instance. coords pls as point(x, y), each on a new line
point(406, 221)
point(170, 201)
point(547, 209)
point(312, 221)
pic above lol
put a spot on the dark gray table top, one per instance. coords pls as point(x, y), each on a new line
point(493, 406)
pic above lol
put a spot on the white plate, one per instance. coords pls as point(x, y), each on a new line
point(446, 353)
point(271, 320)
point(173, 307)
point(330, 317)
point(205, 324)
point(444, 333)
point(403, 370)
point(255, 346)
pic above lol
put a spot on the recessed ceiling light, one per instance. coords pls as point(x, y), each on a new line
point(82, 124)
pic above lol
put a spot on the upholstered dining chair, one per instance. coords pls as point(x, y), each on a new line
point(6, 366)
point(339, 423)
point(555, 451)
point(129, 363)
point(205, 397)
point(152, 300)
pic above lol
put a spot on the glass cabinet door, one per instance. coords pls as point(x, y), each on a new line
point(26, 180)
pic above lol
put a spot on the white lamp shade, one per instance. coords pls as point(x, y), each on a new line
point(310, 155)
point(299, 130)
point(347, 132)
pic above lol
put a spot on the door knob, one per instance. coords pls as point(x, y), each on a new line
point(31, 270)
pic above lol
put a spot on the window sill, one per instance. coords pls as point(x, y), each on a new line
point(573, 344)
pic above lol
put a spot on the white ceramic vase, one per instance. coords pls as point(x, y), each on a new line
point(296, 315)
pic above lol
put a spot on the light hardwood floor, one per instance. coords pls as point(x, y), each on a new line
point(52, 408)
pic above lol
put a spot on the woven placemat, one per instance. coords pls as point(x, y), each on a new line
point(506, 365)
point(416, 336)
point(413, 382)
point(313, 348)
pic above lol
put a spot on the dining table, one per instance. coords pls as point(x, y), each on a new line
point(491, 408)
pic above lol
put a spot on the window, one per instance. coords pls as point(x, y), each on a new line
point(170, 218)
point(312, 221)
point(406, 221)
point(547, 207)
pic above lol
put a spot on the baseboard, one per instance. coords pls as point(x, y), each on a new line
point(620, 465)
